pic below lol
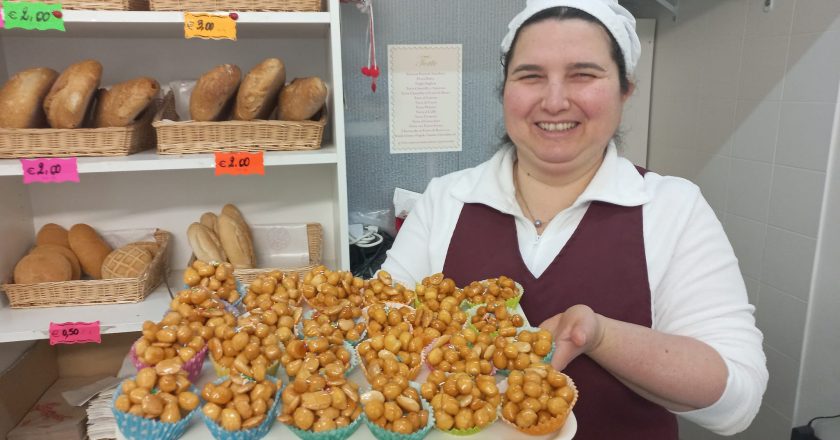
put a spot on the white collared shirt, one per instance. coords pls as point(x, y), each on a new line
point(696, 286)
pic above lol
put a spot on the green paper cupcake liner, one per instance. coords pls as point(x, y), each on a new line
point(336, 434)
point(384, 434)
point(546, 359)
point(510, 303)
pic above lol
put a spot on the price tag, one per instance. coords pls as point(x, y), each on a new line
point(49, 170)
point(33, 15)
point(209, 27)
point(75, 333)
point(239, 164)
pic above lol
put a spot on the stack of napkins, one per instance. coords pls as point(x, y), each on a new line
point(52, 417)
point(101, 424)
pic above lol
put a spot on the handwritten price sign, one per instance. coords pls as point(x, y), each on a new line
point(33, 15)
point(238, 164)
point(209, 27)
point(75, 333)
point(50, 170)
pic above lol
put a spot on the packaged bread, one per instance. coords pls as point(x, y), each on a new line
point(302, 99)
point(205, 244)
point(69, 99)
point(75, 266)
point(120, 105)
point(52, 233)
point(214, 92)
point(22, 98)
point(42, 268)
point(256, 96)
point(91, 249)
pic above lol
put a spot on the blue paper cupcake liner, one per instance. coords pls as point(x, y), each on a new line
point(336, 434)
point(546, 359)
point(140, 428)
point(308, 315)
point(260, 431)
point(384, 434)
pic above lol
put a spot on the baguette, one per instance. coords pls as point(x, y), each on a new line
point(205, 244)
point(236, 241)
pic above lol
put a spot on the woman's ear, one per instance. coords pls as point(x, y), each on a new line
point(630, 90)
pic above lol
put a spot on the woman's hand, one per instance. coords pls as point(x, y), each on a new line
point(576, 331)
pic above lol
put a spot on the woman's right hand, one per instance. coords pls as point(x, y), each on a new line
point(576, 331)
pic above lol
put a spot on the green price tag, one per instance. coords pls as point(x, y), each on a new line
point(33, 16)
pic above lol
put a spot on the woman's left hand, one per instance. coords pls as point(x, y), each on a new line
point(576, 331)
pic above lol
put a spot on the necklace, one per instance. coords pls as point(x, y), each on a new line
point(537, 222)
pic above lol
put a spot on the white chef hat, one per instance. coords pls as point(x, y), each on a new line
point(619, 21)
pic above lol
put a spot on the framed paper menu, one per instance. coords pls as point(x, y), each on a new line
point(424, 98)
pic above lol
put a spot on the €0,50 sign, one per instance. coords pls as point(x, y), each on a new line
point(32, 16)
point(209, 27)
point(75, 332)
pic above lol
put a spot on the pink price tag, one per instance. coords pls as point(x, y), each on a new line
point(75, 333)
point(50, 170)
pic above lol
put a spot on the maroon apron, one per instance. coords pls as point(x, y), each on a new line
point(603, 266)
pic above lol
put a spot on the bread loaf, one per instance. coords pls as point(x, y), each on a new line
point(205, 244)
point(91, 249)
point(42, 267)
point(22, 98)
point(302, 99)
point(120, 106)
point(256, 96)
point(213, 93)
point(52, 233)
point(236, 241)
point(232, 211)
point(210, 220)
point(75, 266)
point(129, 261)
point(67, 103)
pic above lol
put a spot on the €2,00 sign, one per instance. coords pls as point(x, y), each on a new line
point(209, 27)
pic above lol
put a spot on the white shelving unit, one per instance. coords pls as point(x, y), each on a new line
point(147, 190)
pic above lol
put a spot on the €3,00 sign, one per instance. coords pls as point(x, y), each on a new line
point(209, 26)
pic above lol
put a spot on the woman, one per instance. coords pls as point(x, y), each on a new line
point(631, 271)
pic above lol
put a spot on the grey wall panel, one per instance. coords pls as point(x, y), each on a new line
point(479, 25)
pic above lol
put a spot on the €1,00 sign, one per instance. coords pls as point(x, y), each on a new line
point(209, 27)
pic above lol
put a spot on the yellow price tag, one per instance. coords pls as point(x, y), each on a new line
point(209, 27)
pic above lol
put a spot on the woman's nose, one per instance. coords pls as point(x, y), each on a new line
point(556, 97)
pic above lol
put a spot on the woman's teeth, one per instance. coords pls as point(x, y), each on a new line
point(549, 126)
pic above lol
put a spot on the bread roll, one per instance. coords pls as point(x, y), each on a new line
point(210, 220)
point(70, 97)
point(205, 244)
point(213, 92)
point(91, 249)
point(302, 99)
point(52, 233)
point(236, 241)
point(120, 106)
point(129, 261)
point(22, 98)
point(256, 96)
point(75, 266)
point(42, 268)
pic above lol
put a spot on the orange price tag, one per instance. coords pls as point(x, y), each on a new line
point(209, 27)
point(238, 164)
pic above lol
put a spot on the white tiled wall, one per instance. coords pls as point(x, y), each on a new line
point(743, 104)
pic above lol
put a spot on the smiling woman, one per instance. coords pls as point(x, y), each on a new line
point(629, 270)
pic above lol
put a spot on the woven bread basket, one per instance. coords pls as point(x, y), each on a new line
point(106, 5)
point(236, 5)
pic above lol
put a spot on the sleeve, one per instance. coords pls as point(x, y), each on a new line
point(408, 260)
point(702, 295)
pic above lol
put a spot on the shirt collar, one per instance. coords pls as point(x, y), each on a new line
point(617, 181)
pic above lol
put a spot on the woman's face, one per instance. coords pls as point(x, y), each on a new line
point(562, 99)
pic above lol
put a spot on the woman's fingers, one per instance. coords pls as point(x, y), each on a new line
point(571, 330)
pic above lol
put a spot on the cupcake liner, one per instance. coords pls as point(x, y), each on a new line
point(546, 359)
point(384, 434)
point(260, 431)
point(308, 315)
point(388, 307)
point(233, 307)
point(430, 346)
point(140, 428)
point(510, 303)
point(552, 425)
point(336, 434)
point(192, 366)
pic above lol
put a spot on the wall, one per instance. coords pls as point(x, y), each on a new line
point(743, 104)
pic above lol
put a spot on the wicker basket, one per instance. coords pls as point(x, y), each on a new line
point(314, 235)
point(187, 137)
point(90, 292)
point(106, 5)
point(237, 5)
point(60, 142)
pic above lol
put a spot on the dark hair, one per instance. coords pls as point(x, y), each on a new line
point(565, 13)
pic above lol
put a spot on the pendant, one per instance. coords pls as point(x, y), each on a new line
point(537, 223)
